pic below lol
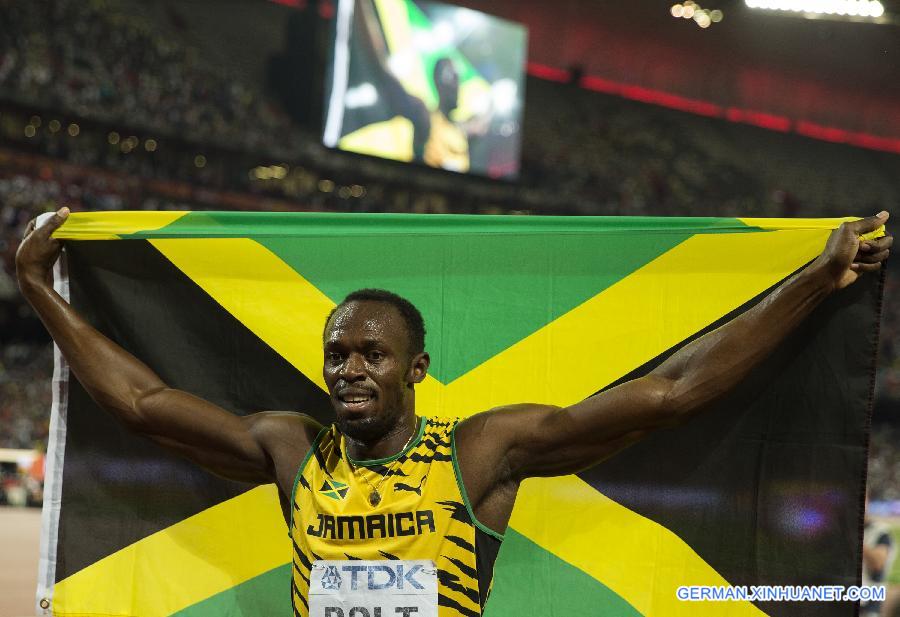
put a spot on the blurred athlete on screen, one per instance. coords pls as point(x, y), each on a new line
point(414, 132)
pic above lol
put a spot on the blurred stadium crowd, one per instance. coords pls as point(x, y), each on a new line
point(103, 107)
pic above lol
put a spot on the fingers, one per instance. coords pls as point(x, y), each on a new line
point(54, 222)
point(864, 267)
point(872, 258)
point(874, 251)
point(876, 245)
point(869, 224)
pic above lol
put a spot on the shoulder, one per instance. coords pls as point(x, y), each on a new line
point(265, 423)
point(490, 436)
point(439, 425)
point(285, 435)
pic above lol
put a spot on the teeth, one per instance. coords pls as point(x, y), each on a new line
point(355, 398)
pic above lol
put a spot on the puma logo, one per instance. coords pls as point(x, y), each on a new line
point(400, 486)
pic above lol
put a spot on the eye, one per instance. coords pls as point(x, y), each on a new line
point(334, 358)
point(375, 356)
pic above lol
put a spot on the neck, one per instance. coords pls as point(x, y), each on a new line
point(388, 445)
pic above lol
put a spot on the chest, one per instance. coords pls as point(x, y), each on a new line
point(379, 504)
point(418, 517)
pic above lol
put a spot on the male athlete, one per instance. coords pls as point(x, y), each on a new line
point(412, 131)
point(401, 512)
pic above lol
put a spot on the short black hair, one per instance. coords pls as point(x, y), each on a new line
point(415, 325)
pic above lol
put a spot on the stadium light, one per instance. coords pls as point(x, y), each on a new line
point(692, 10)
point(842, 8)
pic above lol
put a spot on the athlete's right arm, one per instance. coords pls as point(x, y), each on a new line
point(226, 444)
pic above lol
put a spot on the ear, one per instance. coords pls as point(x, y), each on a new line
point(418, 367)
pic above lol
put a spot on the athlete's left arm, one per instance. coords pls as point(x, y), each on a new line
point(541, 440)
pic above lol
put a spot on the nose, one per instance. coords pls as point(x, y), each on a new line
point(353, 368)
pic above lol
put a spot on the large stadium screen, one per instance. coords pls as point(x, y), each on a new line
point(426, 82)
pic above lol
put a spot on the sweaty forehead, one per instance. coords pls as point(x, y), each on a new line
point(366, 319)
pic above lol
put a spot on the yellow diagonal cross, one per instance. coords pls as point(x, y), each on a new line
point(628, 324)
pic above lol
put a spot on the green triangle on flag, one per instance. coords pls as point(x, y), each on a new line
point(495, 288)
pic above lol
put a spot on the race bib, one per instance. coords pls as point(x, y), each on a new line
point(395, 588)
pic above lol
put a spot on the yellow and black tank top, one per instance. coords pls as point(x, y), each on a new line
point(423, 514)
point(447, 146)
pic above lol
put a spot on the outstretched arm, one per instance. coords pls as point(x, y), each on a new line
point(542, 440)
point(234, 447)
point(399, 101)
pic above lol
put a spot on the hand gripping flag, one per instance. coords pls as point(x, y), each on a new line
point(764, 489)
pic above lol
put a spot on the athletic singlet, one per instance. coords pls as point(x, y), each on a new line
point(447, 146)
point(423, 514)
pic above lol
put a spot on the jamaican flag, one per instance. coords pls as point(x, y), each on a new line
point(764, 489)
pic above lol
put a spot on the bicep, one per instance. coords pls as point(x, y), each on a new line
point(550, 441)
point(218, 440)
